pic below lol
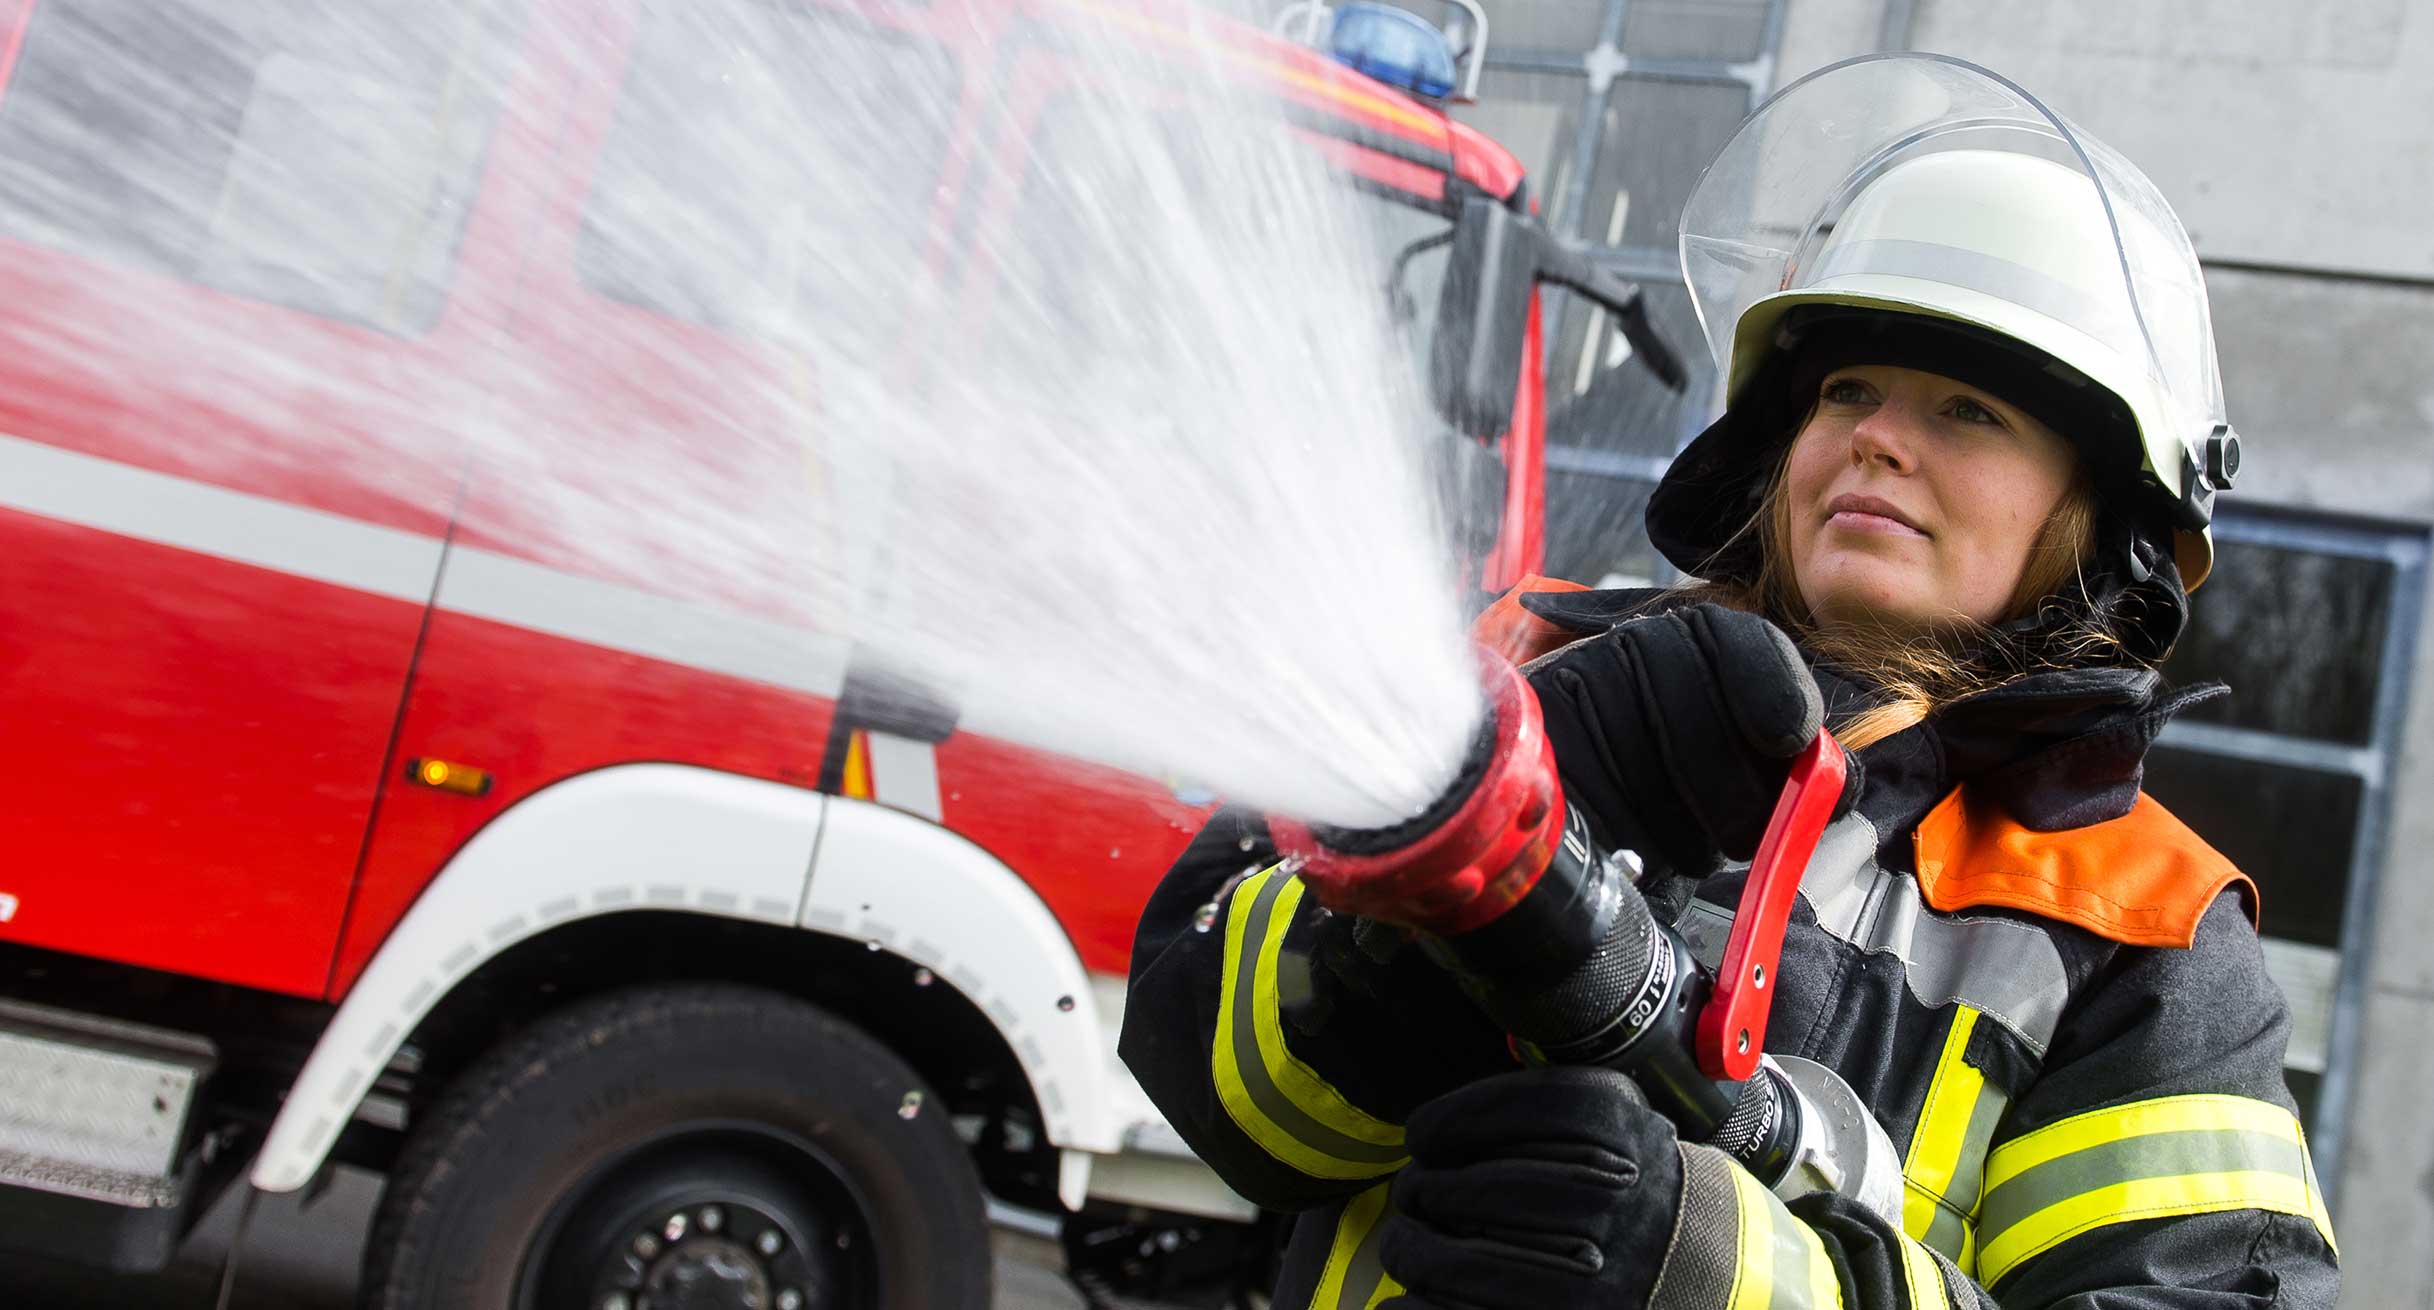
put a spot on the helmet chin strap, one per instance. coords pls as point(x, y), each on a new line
point(2130, 588)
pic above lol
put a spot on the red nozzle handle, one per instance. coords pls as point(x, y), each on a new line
point(1732, 1026)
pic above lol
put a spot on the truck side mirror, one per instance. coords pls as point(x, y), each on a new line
point(1483, 310)
point(1482, 316)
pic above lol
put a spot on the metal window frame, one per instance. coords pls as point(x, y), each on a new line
point(2405, 548)
point(1600, 67)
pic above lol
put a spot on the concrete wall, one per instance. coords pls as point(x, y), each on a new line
point(2287, 132)
point(2296, 139)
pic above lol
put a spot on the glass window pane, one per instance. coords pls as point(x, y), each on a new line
point(2305, 1088)
point(728, 195)
point(2299, 636)
point(1694, 29)
point(1600, 397)
point(1544, 25)
point(2290, 829)
point(1658, 138)
point(1537, 117)
point(1595, 533)
point(2308, 976)
point(318, 156)
point(1654, 138)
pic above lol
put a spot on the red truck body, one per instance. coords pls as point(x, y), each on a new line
point(246, 603)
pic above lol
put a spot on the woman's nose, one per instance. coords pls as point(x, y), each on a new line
point(1885, 437)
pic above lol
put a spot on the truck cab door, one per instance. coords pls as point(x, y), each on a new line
point(246, 255)
point(656, 566)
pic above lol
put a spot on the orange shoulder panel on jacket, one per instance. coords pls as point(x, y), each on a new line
point(2143, 879)
point(1515, 633)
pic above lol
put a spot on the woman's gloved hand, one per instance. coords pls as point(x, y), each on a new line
point(1547, 1187)
point(1675, 732)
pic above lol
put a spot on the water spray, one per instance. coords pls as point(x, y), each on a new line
point(1555, 941)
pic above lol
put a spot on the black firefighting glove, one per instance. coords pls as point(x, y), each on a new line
point(1675, 732)
point(1547, 1187)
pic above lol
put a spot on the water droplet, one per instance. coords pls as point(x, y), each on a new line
point(954, 795)
point(769, 1242)
point(674, 1228)
point(646, 1246)
point(711, 1218)
point(1115, 852)
point(1205, 917)
point(909, 1106)
point(1245, 844)
point(923, 977)
point(1065, 1003)
point(790, 1299)
point(871, 945)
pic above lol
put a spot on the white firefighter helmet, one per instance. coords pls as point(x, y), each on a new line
point(1926, 187)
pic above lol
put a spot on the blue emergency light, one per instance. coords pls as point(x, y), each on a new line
point(1395, 46)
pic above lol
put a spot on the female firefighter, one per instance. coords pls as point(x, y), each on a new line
point(1972, 435)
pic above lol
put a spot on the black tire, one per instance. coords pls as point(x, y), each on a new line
point(526, 1172)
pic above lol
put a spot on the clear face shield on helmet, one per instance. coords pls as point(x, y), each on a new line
point(1923, 184)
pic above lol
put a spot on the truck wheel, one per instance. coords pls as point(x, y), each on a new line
point(683, 1148)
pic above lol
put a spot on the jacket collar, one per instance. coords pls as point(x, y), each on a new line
point(2056, 749)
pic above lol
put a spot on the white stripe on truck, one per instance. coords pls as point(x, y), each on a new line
point(169, 510)
point(188, 514)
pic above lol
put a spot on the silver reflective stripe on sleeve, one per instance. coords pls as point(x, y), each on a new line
point(2010, 972)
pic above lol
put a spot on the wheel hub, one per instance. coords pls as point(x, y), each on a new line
point(706, 1273)
point(719, 1256)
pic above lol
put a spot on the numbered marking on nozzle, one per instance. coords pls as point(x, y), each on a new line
point(1732, 1027)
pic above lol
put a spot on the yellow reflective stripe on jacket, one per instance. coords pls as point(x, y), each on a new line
point(1948, 1149)
point(1353, 1278)
point(1278, 1101)
point(1922, 1277)
point(2178, 1155)
point(1781, 1264)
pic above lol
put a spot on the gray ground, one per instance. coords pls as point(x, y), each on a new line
point(304, 1258)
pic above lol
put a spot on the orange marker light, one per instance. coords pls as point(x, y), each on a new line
point(443, 775)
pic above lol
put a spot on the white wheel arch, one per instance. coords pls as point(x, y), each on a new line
point(677, 838)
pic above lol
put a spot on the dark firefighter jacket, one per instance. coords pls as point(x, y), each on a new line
point(2049, 991)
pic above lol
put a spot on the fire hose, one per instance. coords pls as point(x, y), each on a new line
point(1556, 942)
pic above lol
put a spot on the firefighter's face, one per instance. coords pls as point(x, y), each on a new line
point(1913, 499)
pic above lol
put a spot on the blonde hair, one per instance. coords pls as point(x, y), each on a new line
point(1914, 672)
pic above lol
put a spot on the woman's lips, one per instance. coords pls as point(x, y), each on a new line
point(1870, 514)
point(1858, 520)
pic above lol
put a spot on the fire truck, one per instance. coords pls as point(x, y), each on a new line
point(352, 812)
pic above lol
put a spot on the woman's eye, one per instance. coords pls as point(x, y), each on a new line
point(1844, 391)
point(1970, 411)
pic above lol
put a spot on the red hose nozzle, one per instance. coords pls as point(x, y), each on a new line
point(1456, 874)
